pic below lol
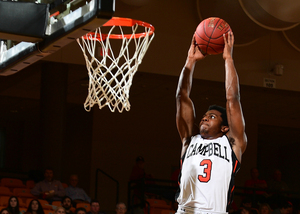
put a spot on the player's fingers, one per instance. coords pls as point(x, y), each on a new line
point(225, 40)
point(232, 37)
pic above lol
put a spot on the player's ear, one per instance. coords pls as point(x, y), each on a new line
point(224, 129)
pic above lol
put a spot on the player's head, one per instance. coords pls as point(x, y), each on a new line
point(222, 111)
point(214, 122)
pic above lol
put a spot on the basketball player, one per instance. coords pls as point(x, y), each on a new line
point(211, 158)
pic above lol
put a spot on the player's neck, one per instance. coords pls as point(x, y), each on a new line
point(210, 137)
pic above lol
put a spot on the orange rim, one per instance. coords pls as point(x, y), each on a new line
point(126, 22)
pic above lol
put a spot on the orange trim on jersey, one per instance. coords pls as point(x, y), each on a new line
point(232, 188)
point(231, 193)
point(236, 162)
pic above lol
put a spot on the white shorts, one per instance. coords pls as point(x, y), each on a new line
point(190, 210)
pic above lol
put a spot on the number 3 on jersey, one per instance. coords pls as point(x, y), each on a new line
point(207, 170)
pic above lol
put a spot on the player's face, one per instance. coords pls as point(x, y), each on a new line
point(211, 124)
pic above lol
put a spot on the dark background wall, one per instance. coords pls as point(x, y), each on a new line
point(110, 141)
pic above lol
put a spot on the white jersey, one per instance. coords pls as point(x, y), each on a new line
point(207, 172)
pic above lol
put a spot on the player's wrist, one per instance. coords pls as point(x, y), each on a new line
point(228, 59)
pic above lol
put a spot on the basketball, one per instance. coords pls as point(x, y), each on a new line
point(209, 35)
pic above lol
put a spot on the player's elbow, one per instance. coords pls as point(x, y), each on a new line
point(244, 144)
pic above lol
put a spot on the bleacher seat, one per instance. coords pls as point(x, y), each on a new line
point(12, 183)
point(45, 204)
point(56, 203)
point(22, 202)
point(30, 184)
point(22, 209)
point(167, 212)
point(23, 193)
point(157, 206)
point(49, 211)
point(86, 206)
point(4, 201)
point(5, 191)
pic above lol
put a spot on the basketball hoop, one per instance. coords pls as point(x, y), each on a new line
point(111, 72)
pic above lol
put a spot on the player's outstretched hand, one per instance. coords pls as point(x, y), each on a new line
point(228, 48)
point(194, 51)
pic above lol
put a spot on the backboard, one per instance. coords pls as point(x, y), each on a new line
point(31, 30)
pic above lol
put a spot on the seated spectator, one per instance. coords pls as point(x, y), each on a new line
point(139, 177)
point(264, 209)
point(255, 182)
point(246, 210)
point(13, 205)
point(121, 208)
point(60, 210)
point(35, 207)
point(138, 170)
point(276, 183)
point(284, 207)
point(80, 210)
point(246, 206)
point(5, 211)
point(75, 193)
point(259, 196)
point(95, 207)
point(67, 204)
point(49, 189)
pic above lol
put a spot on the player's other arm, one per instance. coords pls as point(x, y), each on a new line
point(185, 115)
point(233, 106)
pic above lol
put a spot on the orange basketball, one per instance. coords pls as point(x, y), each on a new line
point(209, 35)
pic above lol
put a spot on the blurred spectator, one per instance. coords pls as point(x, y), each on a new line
point(13, 205)
point(75, 193)
point(5, 211)
point(138, 170)
point(66, 203)
point(276, 183)
point(49, 189)
point(137, 178)
point(80, 210)
point(264, 209)
point(35, 207)
point(284, 207)
point(121, 208)
point(246, 206)
point(95, 207)
point(60, 210)
point(256, 183)
point(246, 210)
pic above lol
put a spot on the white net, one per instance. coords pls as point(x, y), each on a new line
point(110, 68)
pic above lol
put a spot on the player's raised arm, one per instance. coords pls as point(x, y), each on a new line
point(185, 109)
point(233, 106)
